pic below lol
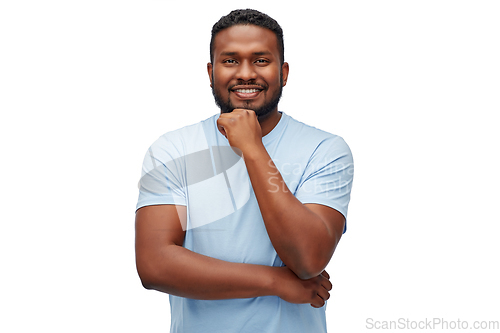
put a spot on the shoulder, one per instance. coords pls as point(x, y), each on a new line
point(187, 132)
point(185, 137)
point(311, 135)
point(181, 142)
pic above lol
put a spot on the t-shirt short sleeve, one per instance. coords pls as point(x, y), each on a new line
point(327, 179)
point(162, 180)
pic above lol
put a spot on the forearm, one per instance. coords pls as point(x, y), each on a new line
point(301, 238)
point(181, 272)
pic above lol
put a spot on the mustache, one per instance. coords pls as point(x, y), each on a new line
point(247, 83)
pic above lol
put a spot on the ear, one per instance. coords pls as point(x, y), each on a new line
point(209, 69)
point(284, 72)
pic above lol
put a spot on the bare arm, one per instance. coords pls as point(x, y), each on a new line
point(164, 265)
point(304, 235)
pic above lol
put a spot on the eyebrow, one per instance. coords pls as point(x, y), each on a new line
point(254, 53)
point(262, 53)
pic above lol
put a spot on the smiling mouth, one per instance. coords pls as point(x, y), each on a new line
point(246, 93)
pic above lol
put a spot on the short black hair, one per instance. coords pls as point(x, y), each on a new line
point(245, 17)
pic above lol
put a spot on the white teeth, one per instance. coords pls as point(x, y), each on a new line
point(247, 91)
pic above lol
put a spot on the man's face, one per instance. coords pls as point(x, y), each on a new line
point(246, 72)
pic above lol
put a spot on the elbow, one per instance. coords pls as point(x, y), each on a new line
point(148, 275)
point(155, 272)
point(305, 275)
point(309, 273)
point(147, 286)
point(311, 268)
point(156, 278)
point(152, 282)
point(155, 281)
point(314, 263)
point(146, 280)
point(146, 283)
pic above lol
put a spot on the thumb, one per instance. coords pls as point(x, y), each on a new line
point(222, 130)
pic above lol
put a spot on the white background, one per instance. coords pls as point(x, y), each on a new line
point(87, 86)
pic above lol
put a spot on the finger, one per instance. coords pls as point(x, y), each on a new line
point(325, 274)
point(318, 302)
point(326, 284)
point(223, 120)
point(222, 130)
point(324, 294)
point(225, 116)
point(244, 111)
point(226, 121)
point(222, 124)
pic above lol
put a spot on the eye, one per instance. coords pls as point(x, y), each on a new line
point(261, 61)
point(229, 61)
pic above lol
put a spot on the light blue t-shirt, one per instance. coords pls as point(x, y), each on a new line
point(195, 166)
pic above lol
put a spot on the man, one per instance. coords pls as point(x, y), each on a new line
point(238, 215)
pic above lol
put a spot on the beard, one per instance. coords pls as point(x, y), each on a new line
point(262, 112)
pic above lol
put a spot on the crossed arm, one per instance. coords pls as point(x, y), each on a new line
point(304, 237)
point(164, 265)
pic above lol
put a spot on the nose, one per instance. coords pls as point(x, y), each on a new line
point(246, 71)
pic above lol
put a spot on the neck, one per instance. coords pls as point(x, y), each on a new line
point(269, 122)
